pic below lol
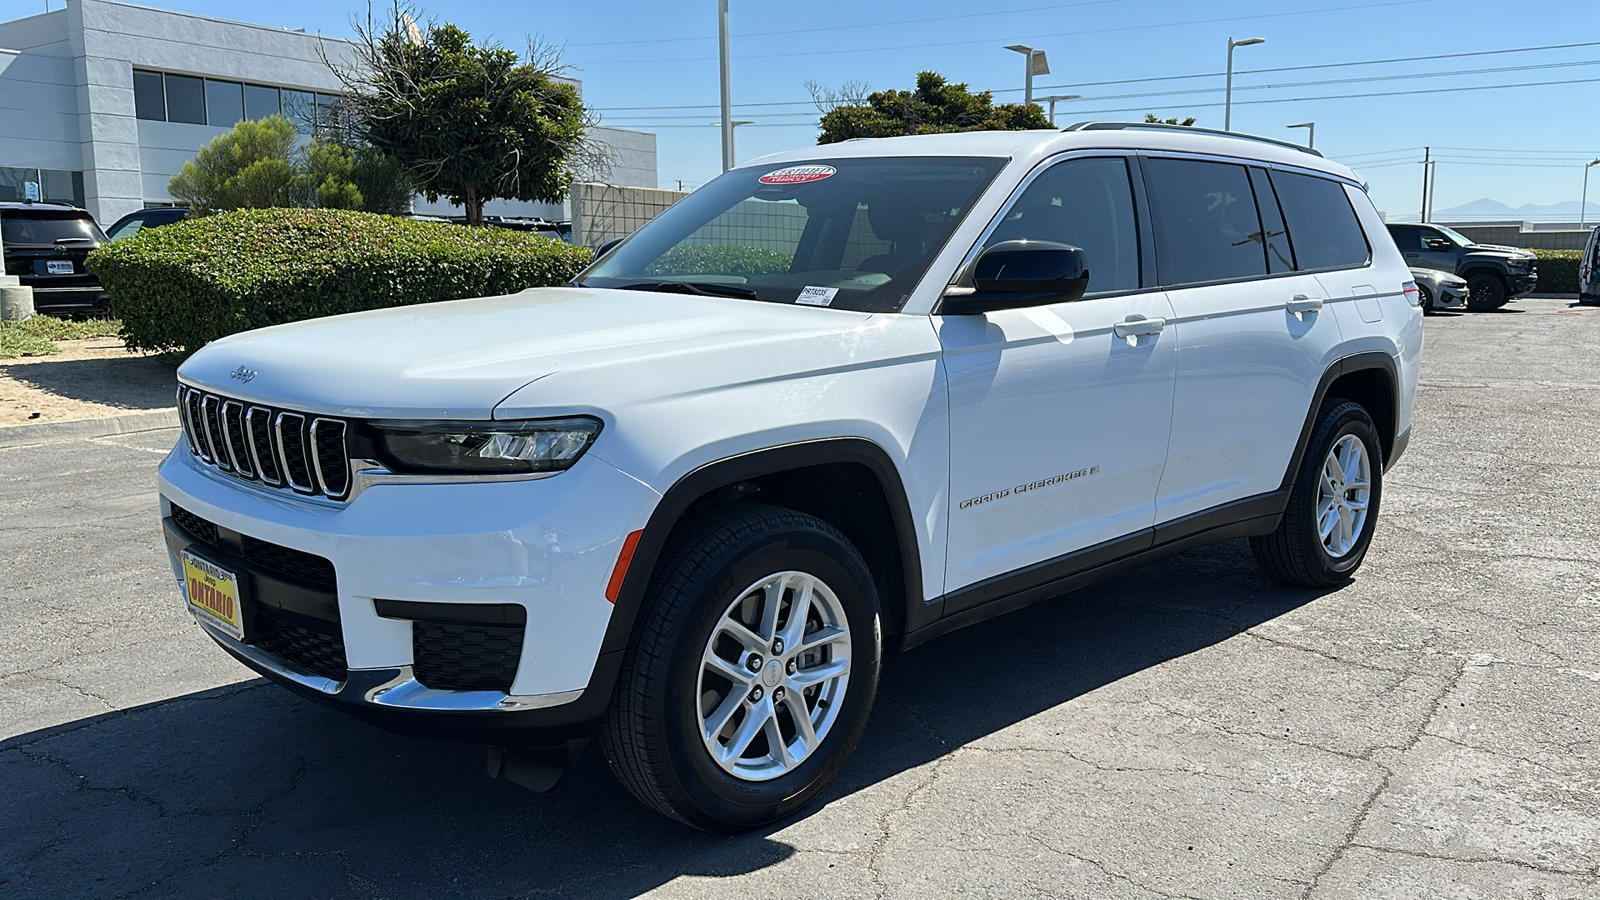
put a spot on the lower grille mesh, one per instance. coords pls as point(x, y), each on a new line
point(460, 656)
point(310, 650)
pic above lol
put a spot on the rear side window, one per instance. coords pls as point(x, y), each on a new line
point(1322, 223)
point(1087, 203)
point(1208, 228)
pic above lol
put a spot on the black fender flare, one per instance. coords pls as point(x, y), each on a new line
point(679, 498)
point(1356, 362)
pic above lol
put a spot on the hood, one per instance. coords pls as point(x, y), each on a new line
point(459, 359)
point(1502, 250)
point(1437, 277)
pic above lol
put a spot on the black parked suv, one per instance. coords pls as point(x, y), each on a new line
point(142, 219)
point(45, 246)
point(1494, 273)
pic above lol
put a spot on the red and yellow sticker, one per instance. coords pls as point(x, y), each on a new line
point(213, 595)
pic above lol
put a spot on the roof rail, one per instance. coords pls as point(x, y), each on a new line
point(1185, 129)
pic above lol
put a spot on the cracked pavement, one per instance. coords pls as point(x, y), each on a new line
point(1190, 729)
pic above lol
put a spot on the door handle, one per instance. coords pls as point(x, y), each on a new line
point(1303, 304)
point(1136, 325)
point(1412, 255)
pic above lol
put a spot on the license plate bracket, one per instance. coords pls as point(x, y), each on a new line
point(213, 595)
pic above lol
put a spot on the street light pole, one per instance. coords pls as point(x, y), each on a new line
point(1227, 101)
point(1311, 133)
point(1583, 205)
point(729, 128)
point(727, 85)
point(1034, 63)
point(1053, 99)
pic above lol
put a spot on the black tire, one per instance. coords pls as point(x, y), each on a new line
point(1294, 554)
point(1424, 298)
point(651, 733)
point(1487, 292)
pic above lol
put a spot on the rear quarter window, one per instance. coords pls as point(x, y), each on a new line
point(1322, 224)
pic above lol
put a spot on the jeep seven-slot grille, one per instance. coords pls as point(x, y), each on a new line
point(275, 447)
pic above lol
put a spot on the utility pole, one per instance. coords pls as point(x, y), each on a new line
point(727, 85)
point(1427, 166)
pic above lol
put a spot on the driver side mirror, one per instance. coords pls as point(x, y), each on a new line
point(605, 248)
point(1438, 244)
point(1015, 274)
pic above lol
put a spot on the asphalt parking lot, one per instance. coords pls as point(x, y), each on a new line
point(1189, 730)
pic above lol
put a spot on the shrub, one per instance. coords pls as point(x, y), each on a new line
point(184, 285)
point(1558, 271)
point(719, 259)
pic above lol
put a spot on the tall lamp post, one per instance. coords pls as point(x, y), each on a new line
point(727, 85)
point(1035, 64)
point(1311, 133)
point(1055, 98)
point(729, 127)
point(1583, 205)
point(1227, 101)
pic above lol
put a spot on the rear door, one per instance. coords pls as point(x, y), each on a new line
point(1256, 335)
point(1058, 422)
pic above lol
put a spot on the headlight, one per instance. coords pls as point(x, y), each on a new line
point(490, 448)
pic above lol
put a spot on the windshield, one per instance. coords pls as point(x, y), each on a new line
point(46, 227)
point(1460, 239)
point(847, 233)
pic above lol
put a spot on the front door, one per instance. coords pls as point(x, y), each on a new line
point(1059, 414)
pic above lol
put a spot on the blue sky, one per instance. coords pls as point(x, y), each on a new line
point(1516, 145)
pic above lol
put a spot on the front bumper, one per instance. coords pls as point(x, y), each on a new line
point(1517, 285)
point(546, 547)
point(1451, 296)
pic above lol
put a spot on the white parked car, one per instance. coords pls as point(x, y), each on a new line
point(838, 400)
point(1437, 289)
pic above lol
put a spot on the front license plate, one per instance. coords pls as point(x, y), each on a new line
point(213, 595)
point(59, 267)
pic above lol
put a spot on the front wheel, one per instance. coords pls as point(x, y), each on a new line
point(1485, 292)
point(1333, 507)
point(753, 672)
point(1424, 298)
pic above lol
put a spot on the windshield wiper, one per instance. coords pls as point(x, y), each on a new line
point(702, 288)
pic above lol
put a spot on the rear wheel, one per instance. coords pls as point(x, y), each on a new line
point(753, 672)
point(1333, 507)
point(1486, 292)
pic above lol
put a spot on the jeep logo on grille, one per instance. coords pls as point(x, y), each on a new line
point(242, 374)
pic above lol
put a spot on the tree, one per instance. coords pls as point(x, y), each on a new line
point(468, 122)
point(257, 165)
point(1153, 119)
point(935, 106)
point(247, 167)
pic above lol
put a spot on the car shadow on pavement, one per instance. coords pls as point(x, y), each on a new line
point(251, 791)
point(122, 382)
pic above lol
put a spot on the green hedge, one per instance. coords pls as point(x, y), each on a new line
point(719, 259)
point(1558, 271)
point(184, 285)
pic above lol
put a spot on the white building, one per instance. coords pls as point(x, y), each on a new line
point(103, 102)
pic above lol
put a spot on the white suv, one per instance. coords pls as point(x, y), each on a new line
point(838, 400)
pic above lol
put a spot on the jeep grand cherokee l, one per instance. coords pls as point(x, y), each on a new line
point(838, 400)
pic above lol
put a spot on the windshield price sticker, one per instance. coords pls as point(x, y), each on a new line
point(817, 296)
point(798, 175)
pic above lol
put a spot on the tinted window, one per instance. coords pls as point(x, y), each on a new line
point(224, 103)
point(1322, 224)
point(1208, 228)
point(260, 101)
point(186, 99)
point(300, 107)
point(149, 101)
point(1087, 203)
point(1406, 238)
point(1274, 236)
point(46, 227)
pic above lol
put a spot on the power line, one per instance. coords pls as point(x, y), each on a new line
point(1073, 34)
point(897, 24)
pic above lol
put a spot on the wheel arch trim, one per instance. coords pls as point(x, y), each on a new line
point(1364, 361)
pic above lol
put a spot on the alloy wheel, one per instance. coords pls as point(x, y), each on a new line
point(1343, 495)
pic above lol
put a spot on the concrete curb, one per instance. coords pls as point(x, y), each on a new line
point(83, 429)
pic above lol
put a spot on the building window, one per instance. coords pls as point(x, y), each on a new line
point(260, 101)
point(58, 185)
point(186, 99)
point(224, 103)
point(300, 107)
point(149, 100)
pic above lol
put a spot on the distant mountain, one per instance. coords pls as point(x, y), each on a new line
point(1565, 211)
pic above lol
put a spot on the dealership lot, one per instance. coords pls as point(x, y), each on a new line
point(1190, 729)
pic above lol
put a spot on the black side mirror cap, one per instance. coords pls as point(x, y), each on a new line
point(605, 248)
point(1015, 274)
